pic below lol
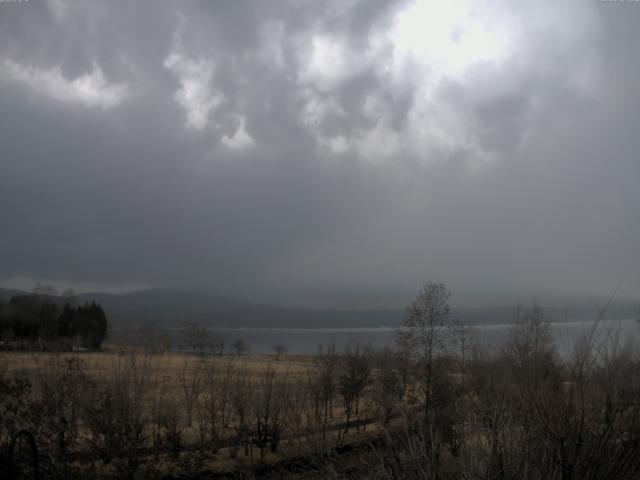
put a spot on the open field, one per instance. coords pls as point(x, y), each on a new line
point(32, 364)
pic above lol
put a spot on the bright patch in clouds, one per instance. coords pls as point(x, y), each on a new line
point(240, 139)
point(330, 62)
point(425, 45)
point(448, 36)
point(89, 89)
point(195, 95)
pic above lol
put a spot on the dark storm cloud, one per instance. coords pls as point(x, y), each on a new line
point(273, 150)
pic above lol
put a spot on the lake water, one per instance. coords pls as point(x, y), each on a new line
point(306, 341)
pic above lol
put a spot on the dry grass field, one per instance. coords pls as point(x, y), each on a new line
point(184, 412)
point(111, 359)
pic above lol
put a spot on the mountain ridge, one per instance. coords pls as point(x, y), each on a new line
point(167, 308)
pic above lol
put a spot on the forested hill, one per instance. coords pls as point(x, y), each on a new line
point(172, 308)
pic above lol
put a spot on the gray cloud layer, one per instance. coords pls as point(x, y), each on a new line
point(283, 150)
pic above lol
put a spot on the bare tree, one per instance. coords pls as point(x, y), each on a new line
point(269, 411)
point(425, 333)
point(353, 379)
point(243, 404)
point(196, 336)
point(191, 385)
point(239, 346)
point(531, 348)
point(387, 387)
point(326, 379)
point(280, 349)
point(115, 413)
point(215, 405)
point(218, 342)
point(298, 402)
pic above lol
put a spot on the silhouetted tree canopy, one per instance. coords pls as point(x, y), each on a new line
point(41, 319)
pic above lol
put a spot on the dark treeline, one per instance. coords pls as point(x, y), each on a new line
point(46, 322)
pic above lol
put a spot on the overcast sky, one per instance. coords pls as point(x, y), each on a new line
point(305, 151)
